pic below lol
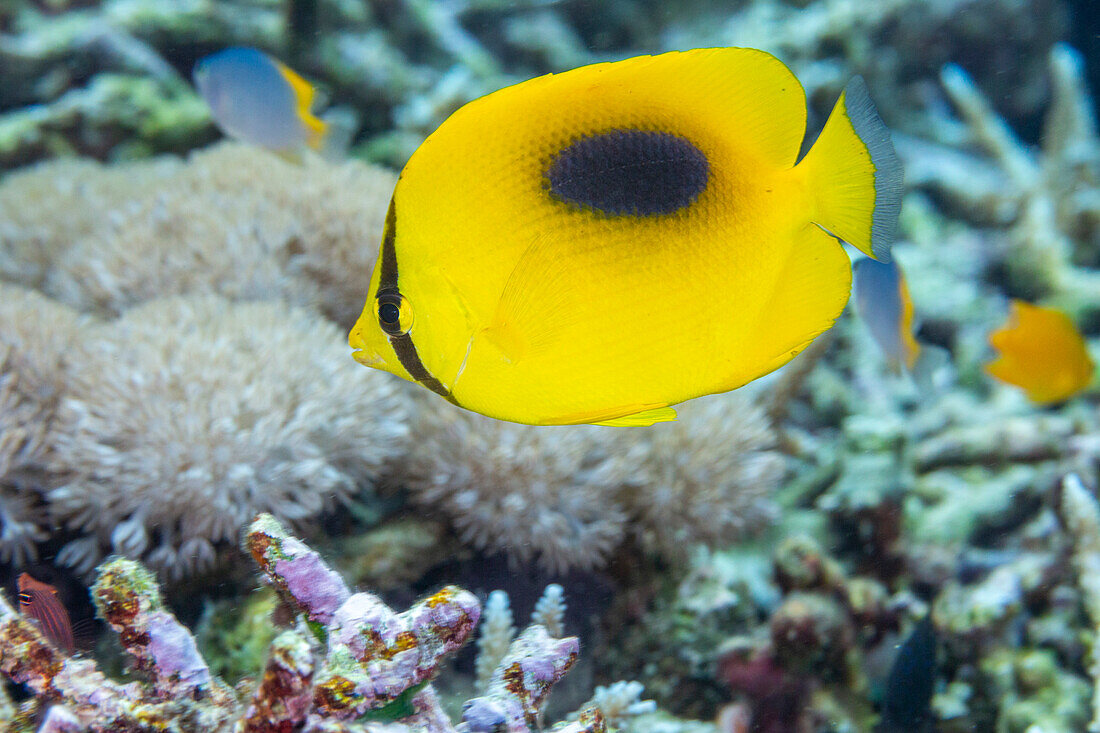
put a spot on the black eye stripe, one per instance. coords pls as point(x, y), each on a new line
point(402, 343)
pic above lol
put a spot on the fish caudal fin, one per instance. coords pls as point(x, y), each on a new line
point(855, 176)
point(304, 94)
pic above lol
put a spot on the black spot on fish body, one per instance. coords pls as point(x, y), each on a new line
point(629, 173)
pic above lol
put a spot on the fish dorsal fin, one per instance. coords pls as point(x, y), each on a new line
point(304, 94)
point(643, 418)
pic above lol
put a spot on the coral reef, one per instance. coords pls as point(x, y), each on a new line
point(34, 338)
point(1051, 201)
point(220, 410)
point(108, 80)
point(232, 220)
point(568, 496)
point(349, 663)
point(176, 369)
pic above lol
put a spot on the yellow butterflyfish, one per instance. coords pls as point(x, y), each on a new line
point(1041, 351)
point(597, 245)
point(259, 100)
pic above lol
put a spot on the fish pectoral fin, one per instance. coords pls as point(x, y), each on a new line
point(506, 340)
point(642, 419)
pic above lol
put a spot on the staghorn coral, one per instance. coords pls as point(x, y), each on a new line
point(566, 496)
point(186, 416)
point(514, 674)
point(233, 220)
point(348, 663)
point(621, 701)
point(550, 610)
point(1049, 199)
point(35, 335)
point(1081, 517)
point(494, 637)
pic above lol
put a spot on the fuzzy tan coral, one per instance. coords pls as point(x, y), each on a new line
point(187, 416)
point(567, 496)
point(35, 334)
point(236, 221)
point(48, 208)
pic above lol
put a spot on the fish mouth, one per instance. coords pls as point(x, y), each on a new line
point(359, 350)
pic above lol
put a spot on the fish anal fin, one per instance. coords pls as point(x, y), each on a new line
point(642, 419)
point(636, 416)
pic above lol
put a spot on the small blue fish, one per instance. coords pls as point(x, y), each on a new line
point(883, 303)
point(907, 700)
point(259, 100)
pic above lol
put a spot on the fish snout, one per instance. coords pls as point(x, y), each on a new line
point(361, 352)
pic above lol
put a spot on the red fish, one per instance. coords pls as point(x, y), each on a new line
point(39, 601)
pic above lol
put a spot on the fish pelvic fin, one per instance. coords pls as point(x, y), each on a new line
point(855, 176)
point(304, 94)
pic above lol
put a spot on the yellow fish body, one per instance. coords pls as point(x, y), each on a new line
point(596, 245)
point(1042, 352)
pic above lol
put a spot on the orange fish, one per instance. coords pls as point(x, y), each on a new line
point(39, 601)
point(1042, 352)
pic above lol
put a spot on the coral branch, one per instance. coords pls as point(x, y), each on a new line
point(534, 662)
point(349, 664)
point(1081, 516)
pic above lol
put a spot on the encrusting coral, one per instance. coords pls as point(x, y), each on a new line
point(186, 416)
point(348, 662)
point(566, 497)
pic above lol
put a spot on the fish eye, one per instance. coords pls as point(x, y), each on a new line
point(395, 315)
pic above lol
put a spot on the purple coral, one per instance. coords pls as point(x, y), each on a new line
point(348, 655)
point(534, 662)
point(374, 654)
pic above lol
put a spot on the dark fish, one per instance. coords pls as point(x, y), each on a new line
point(39, 601)
point(907, 701)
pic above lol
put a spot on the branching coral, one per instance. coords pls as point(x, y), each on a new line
point(186, 416)
point(234, 220)
point(349, 663)
point(567, 496)
point(1081, 516)
point(1050, 200)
